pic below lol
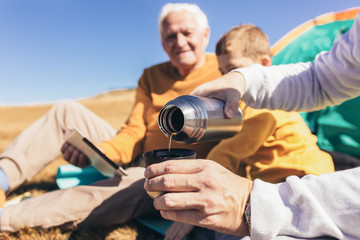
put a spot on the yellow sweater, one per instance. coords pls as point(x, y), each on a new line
point(271, 146)
point(158, 85)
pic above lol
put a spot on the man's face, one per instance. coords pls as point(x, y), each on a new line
point(232, 60)
point(182, 39)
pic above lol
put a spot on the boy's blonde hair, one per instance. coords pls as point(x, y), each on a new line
point(249, 40)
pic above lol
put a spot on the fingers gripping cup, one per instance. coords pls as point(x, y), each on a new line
point(161, 155)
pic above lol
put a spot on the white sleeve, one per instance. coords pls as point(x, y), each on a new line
point(332, 78)
point(325, 205)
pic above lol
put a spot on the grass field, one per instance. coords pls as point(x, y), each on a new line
point(113, 107)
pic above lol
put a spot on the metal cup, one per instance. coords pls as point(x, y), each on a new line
point(160, 155)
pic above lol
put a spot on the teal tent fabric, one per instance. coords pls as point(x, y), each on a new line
point(70, 176)
point(337, 127)
point(306, 46)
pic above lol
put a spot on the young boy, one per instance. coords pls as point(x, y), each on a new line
point(272, 144)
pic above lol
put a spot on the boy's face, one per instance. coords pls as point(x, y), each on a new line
point(232, 60)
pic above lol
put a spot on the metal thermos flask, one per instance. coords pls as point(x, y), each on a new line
point(197, 119)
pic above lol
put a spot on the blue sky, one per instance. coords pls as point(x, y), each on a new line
point(67, 49)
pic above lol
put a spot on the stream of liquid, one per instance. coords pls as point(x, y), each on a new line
point(170, 140)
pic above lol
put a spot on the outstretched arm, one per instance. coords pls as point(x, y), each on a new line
point(331, 79)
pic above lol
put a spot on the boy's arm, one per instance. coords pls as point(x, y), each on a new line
point(236, 151)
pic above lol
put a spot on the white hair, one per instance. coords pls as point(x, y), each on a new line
point(200, 16)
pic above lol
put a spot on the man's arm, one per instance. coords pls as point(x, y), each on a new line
point(204, 193)
point(325, 205)
point(127, 144)
point(332, 78)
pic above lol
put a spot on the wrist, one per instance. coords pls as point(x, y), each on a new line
point(244, 202)
point(238, 80)
point(245, 227)
point(247, 216)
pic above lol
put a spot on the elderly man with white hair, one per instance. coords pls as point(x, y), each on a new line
point(184, 34)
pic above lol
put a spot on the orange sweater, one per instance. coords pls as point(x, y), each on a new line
point(271, 146)
point(158, 85)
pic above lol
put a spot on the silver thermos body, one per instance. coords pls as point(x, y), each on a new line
point(197, 119)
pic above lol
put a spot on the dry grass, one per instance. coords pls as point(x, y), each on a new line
point(113, 107)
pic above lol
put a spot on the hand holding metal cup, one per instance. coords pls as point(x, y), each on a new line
point(161, 155)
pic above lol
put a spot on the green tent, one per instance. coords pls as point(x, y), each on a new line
point(337, 127)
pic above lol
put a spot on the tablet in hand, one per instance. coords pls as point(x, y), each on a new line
point(98, 159)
